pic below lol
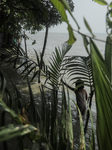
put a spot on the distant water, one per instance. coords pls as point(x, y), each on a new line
point(57, 40)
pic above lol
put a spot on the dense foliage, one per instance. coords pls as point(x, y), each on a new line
point(31, 15)
point(49, 125)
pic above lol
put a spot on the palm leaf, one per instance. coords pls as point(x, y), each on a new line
point(78, 67)
point(56, 64)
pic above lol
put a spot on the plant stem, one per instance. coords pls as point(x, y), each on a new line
point(43, 51)
point(88, 115)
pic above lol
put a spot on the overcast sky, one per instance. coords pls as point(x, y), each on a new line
point(94, 13)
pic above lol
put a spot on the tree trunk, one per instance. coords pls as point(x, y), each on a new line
point(43, 51)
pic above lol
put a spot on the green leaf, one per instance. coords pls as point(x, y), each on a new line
point(109, 23)
point(37, 57)
point(68, 8)
point(70, 126)
point(80, 67)
point(56, 64)
point(34, 115)
point(82, 137)
point(2, 83)
point(88, 27)
point(33, 42)
point(12, 131)
point(92, 143)
point(102, 2)
point(110, 5)
point(86, 43)
point(72, 38)
point(63, 124)
point(108, 55)
point(103, 96)
point(59, 5)
point(4, 107)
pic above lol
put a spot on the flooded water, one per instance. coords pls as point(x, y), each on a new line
point(56, 40)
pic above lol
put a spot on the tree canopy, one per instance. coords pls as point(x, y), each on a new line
point(29, 14)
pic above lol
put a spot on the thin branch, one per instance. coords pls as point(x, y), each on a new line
point(92, 37)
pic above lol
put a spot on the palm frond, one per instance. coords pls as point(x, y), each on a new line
point(55, 67)
point(78, 67)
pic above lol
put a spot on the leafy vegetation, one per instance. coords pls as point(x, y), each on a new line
point(50, 125)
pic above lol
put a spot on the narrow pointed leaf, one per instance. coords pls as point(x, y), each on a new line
point(103, 92)
point(12, 131)
point(88, 27)
point(102, 2)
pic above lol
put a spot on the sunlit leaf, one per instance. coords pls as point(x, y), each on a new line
point(60, 7)
point(110, 5)
point(72, 38)
point(11, 131)
point(68, 8)
point(102, 2)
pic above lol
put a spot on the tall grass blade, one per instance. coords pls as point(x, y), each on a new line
point(82, 137)
point(70, 125)
point(108, 55)
point(34, 115)
point(92, 143)
point(4, 107)
point(2, 83)
point(54, 120)
point(63, 123)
